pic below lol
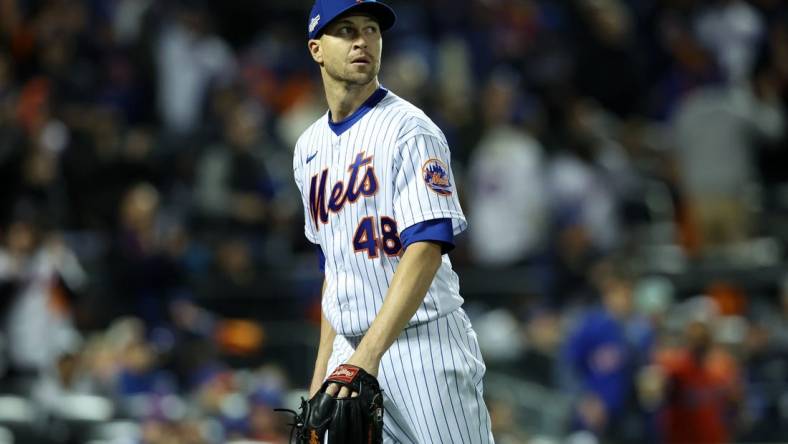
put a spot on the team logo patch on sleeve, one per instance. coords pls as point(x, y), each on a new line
point(436, 176)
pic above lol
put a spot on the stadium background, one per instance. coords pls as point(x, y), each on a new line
point(623, 164)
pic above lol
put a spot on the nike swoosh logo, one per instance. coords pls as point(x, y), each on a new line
point(309, 159)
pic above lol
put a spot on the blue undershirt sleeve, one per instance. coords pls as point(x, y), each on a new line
point(321, 257)
point(435, 230)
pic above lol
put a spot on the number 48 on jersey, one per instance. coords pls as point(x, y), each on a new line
point(366, 237)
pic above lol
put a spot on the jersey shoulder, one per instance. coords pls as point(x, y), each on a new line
point(411, 119)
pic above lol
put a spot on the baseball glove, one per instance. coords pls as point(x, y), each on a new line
point(357, 420)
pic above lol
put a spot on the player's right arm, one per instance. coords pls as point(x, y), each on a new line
point(327, 335)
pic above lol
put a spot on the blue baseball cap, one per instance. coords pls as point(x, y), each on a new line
point(324, 11)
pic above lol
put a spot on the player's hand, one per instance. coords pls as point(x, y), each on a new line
point(343, 392)
point(368, 365)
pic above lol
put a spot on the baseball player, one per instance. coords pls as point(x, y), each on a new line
point(381, 205)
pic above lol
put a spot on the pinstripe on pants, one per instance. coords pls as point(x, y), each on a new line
point(432, 382)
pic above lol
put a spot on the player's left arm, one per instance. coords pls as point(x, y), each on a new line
point(406, 293)
point(409, 286)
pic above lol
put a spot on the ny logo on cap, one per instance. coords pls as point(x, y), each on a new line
point(314, 22)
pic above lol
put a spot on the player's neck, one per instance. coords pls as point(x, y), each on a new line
point(344, 99)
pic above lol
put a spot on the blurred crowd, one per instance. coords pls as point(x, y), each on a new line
point(626, 161)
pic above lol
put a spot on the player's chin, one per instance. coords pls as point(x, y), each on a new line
point(362, 69)
point(361, 78)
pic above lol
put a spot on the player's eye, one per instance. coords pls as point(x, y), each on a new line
point(345, 30)
point(371, 30)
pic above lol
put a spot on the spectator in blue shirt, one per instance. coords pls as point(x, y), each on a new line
point(603, 352)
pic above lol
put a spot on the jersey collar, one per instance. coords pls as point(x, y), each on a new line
point(340, 127)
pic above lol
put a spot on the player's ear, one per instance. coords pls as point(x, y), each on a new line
point(315, 50)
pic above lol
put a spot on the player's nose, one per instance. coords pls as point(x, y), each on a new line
point(360, 42)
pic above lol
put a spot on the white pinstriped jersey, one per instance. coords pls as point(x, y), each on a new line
point(360, 189)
